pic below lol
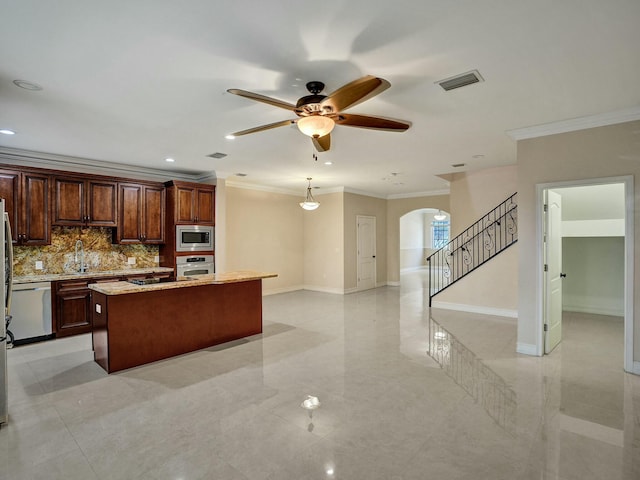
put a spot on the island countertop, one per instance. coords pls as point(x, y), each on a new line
point(123, 288)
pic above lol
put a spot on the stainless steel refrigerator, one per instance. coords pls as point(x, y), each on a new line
point(6, 266)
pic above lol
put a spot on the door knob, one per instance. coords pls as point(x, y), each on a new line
point(563, 275)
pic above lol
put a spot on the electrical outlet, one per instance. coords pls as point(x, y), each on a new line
point(39, 265)
point(156, 259)
point(98, 308)
point(131, 260)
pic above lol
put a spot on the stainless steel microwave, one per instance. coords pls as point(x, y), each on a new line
point(194, 238)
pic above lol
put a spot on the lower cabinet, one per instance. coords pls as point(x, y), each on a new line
point(72, 303)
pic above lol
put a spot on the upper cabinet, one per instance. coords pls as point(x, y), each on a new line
point(80, 202)
point(26, 197)
point(141, 213)
point(191, 203)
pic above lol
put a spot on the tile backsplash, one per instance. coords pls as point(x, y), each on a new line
point(99, 253)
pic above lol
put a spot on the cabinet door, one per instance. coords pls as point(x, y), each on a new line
point(69, 201)
point(206, 206)
point(72, 308)
point(36, 223)
point(153, 215)
point(102, 203)
point(9, 192)
point(185, 205)
point(130, 213)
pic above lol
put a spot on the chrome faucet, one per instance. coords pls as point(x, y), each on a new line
point(82, 268)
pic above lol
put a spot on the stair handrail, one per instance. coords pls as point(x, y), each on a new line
point(470, 236)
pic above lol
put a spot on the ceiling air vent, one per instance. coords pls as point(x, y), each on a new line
point(217, 155)
point(461, 80)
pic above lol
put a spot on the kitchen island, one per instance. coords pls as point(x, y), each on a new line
point(138, 324)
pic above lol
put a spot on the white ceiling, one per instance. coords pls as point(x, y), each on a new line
point(137, 81)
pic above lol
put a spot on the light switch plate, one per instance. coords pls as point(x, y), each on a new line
point(131, 260)
point(39, 265)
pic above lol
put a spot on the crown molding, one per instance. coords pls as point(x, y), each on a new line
point(574, 124)
point(431, 193)
point(264, 188)
point(52, 161)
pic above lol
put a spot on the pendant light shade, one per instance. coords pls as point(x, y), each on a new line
point(316, 125)
point(309, 202)
point(439, 216)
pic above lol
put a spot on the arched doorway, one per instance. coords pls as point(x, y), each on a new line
point(422, 232)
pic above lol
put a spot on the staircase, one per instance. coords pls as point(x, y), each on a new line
point(479, 243)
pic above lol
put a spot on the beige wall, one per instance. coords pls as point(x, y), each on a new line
point(493, 286)
point(593, 153)
point(474, 194)
point(355, 205)
point(324, 244)
point(396, 208)
point(264, 231)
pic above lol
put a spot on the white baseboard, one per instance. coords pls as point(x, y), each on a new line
point(636, 368)
point(612, 312)
point(500, 312)
point(275, 291)
point(412, 269)
point(393, 284)
point(315, 288)
point(527, 349)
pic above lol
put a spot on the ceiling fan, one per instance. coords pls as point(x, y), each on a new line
point(318, 114)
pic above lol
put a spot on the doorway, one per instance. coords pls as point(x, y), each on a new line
point(590, 224)
point(366, 241)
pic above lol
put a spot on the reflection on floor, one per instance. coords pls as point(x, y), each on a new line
point(396, 400)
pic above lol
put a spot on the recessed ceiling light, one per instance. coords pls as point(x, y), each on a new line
point(6, 131)
point(169, 160)
point(478, 156)
point(27, 85)
point(458, 165)
point(240, 174)
point(229, 137)
point(328, 162)
point(217, 155)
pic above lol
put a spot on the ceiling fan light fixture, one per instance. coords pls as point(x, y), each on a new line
point(309, 202)
point(316, 126)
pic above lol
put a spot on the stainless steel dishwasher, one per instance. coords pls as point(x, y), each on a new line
point(31, 312)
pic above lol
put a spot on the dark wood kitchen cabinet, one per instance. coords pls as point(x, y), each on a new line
point(191, 203)
point(80, 202)
point(72, 303)
point(141, 213)
point(27, 201)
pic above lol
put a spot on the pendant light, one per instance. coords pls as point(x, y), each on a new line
point(439, 216)
point(309, 202)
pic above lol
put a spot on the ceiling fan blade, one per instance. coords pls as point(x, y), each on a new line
point(262, 98)
point(376, 123)
point(322, 144)
point(355, 92)
point(263, 127)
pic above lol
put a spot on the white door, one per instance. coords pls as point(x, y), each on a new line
point(553, 278)
point(366, 239)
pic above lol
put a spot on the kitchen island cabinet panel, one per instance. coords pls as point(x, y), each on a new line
point(137, 328)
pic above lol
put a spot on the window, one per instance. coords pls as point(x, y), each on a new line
point(439, 234)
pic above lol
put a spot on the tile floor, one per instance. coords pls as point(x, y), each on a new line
point(405, 394)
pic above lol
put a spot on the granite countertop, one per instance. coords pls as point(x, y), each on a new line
point(122, 288)
point(54, 277)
